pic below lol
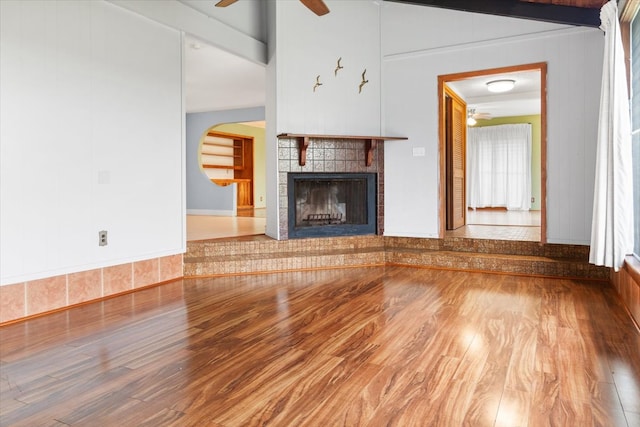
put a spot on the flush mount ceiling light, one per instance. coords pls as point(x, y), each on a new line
point(498, 86)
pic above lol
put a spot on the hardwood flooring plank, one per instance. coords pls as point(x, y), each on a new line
point(357, 401)
point(270, 393)
point(515, 409)
point(371, 346)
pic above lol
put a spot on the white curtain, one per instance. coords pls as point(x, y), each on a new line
point(612, 226)
point(499, 167)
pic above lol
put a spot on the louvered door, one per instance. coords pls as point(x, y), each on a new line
point(456, 134)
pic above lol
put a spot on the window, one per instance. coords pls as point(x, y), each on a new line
point(635, 126)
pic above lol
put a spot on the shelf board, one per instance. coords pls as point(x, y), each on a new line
point(206, 166)
point(370, 143)
point(219, 155)
point(215, 144)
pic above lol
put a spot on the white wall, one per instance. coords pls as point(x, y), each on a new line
point(420, 43)
point(91, 138)
point(219, 27)
point(303, 46)
point(308, 46)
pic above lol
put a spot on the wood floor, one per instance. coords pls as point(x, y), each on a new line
point(352, 347)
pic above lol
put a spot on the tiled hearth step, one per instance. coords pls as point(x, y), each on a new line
point(505, 247)
point(256, 263)
point(223, 257)
point(499, 263)
point(226, 248)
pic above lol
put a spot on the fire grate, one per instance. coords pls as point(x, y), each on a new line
point(324, 218)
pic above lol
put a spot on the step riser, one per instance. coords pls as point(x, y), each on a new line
point(215, 268)
point(541, 267)
point(458, 244)
point(231, 248)
point(214, 248)
point(211, 258)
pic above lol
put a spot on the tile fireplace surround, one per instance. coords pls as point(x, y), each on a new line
point(327, 155)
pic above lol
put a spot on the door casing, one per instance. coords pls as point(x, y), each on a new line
point(442, 80)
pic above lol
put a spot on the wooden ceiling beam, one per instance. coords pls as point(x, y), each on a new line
point(559, 14)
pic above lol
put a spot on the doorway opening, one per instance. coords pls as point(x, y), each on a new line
point(232, 155)
point(227, 159)
point(465, 102)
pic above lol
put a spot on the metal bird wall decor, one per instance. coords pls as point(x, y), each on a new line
point(318, 84)
point(363, 82)
point(338, 67)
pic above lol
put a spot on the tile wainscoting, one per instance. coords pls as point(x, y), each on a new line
point(204, 258)
point(35, 297)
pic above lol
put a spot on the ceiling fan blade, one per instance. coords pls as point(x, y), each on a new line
point(225, 3)
point(481, 116)
point(316, 6)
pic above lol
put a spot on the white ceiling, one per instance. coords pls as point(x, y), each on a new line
point(522, 100)
point(217, 80)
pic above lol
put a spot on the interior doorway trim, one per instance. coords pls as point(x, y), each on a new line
point(442, 80)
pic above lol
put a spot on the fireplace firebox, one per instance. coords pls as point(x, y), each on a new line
point(331, 204)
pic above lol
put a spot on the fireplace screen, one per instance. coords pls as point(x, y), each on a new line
point(331, 204)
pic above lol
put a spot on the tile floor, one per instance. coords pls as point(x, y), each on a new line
point(205, 227)
point(500, 225)
point(503, 217)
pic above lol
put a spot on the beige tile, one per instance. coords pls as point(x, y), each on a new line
point(85, 286)
point(117, 279)
point(145, 273)
point(46, 294)
point(12, 302)
point(170, 267)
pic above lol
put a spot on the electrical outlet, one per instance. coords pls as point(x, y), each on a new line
point(533, 200)
point(102, 238)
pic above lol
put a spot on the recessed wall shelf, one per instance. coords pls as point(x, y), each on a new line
point(233, 151)
point(370, 143)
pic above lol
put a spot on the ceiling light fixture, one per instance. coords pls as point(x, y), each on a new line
point(498, 86)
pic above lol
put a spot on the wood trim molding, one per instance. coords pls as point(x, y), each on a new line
point(632, 265)
point(543, 152)
point(442, 79)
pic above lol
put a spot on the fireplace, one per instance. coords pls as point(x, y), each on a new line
point(331, 204)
